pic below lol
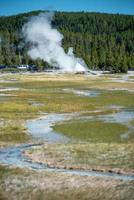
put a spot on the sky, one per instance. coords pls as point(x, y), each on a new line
point(11, 7)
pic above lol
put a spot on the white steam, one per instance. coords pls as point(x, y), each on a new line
point(46, 44)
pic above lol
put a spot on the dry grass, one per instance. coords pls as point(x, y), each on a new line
point(101, 156)
point(30, 185)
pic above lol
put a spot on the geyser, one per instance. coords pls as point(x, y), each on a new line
point(46, 44)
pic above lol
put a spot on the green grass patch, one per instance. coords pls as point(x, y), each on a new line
point(13, 132)
point(93, 131)
point(17, 109)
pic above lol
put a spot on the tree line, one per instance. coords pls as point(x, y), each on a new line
point(104, 41)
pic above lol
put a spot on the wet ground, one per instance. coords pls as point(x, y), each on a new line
point(86, 93)
point(42, 131)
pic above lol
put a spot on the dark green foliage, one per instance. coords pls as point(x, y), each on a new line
point(104, 41)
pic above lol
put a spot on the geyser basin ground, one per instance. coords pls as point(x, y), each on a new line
point(47, 91)
point(15, 155)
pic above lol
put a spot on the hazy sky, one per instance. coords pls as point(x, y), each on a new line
point(9, 7)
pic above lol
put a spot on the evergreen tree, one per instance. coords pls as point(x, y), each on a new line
point(105, 41)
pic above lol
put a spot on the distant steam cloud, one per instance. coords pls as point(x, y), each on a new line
point(47, 44)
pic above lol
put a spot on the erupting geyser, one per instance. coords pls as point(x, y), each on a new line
point(46, 44)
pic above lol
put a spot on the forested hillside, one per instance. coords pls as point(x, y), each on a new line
point(104, 41)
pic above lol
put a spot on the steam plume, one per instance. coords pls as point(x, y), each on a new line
point(47, 44)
